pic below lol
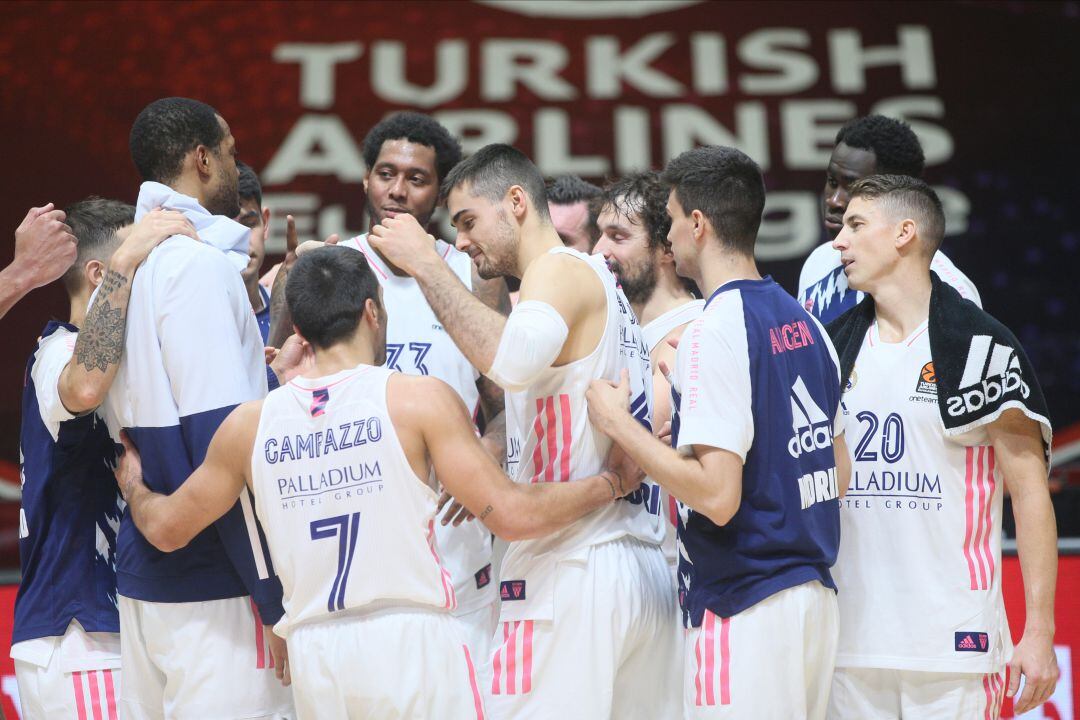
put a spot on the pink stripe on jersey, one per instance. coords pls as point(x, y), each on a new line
point(448, 249)
point(988, 692)
point(567, 439)
point(496, 667)
point(538, 428)
point(725, 661)
point(260, 643)
point(447, 583)
point(697, 658)
point(552, 440)
point(511, 661)
point(710, 662)
point(477, 702)
point(980, 481)
point(991, 487)
point(969, 512)
point(526, 663)
point(95, 695)
point(371, 262)
point(110, 694)
point(80, 701)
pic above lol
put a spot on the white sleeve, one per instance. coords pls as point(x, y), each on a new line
point(531, 341)
point(49, 362)
point(714, 386)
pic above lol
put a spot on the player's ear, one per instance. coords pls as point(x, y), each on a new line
point(94, 273)
point(699, 225)
point(906, 233)
point(518, 201)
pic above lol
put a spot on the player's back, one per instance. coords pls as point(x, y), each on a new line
point(349, 524)
point(559, 444)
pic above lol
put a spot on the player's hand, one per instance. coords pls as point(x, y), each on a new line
point(44, 246)
point(628, 475)
point(608, 402)
point(156, 226)
point(1034, 659)
point(270, 354)
point(295, 357)
point(128, 469)
point(404, 242)
point(457, 513)
point(279, 651)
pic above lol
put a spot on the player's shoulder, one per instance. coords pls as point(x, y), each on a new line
point(420, 398)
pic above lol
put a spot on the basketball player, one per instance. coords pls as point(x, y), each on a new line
point(254, 216)
point(66, 641)
point(756, 393)
point(923, 630)
point(603, 578)
point(44, 250)
point(572, 206)
point(193, 644)
point(864, 146)
point(634, 227)
point(341, 466)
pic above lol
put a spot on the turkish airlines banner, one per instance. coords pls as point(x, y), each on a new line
point(592, 88)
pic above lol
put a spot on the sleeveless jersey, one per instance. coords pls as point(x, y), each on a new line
point(824, 291)
point(70, 512)
point(654, 332)
point(559, 444)
point(417, 344)
point(757, 376)
point(349, 524)
point(919, 573)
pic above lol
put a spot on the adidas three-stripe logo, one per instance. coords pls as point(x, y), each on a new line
point(809, 423)
point(990, 371)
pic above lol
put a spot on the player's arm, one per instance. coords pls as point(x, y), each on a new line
point(44, 249)
point(1018, 450)
point(843, 463)
point(494, 294)
point(169, 522)
point(89, 375)
point(430, 408)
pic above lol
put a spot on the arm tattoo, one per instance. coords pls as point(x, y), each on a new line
point(101, 339)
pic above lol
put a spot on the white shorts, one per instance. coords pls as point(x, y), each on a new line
point(609, 652)
point(387, 665)
point(878, 694)
point(772, 661)
point(199, 660)
point(478, 627)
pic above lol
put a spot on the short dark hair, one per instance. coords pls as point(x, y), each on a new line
point(248, 187)
point(94, 222)
point(896, 148)
point(166, 131)
point(570, 189)
point(326, 292)
point(726, 186)
point(643, 194)
point(493, 170)
point(416, 128)
point(910, 197)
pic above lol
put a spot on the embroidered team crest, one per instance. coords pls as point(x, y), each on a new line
point(971, 642)
point(927, 384)
point(852, 379)
point(512, 590)
point(319, 398)
point(483, 576)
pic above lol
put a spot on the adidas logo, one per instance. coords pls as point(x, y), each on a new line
point(967, 643)
point(991, 371)
point(810, 424)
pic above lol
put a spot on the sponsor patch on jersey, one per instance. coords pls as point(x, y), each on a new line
point(927, 384)
point(483, 576)
point(971, 641)
point(512, 590)
point(319, 398)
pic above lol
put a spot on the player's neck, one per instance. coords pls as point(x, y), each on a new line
point(77, 312)
point(668, 294)
point(254, 296)
point(535, 241)
point(719, 268)
point(901, 304)
point(345, 355)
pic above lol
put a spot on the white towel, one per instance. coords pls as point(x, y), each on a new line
point(219, 231)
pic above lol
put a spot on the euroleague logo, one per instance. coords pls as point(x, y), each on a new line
point(927, 384)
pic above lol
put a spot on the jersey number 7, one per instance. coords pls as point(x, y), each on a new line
point(345, 529)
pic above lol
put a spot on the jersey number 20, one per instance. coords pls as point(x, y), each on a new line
point(345, 529)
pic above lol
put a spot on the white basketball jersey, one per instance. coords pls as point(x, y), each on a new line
point(417, 344)
point(559, 444)
point(654, 332)
point(919, 567)
point(349, 524)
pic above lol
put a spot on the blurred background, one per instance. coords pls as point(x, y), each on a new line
point(595, 89)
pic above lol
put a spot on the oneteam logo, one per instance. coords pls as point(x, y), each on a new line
point(808, 421)
point(991, 371)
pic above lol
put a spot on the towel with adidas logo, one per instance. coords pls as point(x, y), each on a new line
point(981, 368)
